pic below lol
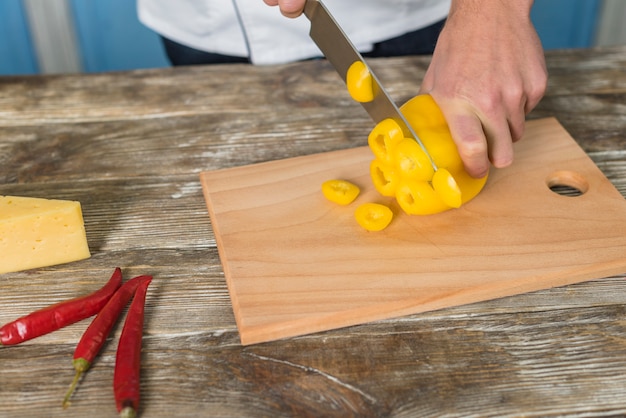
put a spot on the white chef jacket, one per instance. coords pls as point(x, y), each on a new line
point(250, 28)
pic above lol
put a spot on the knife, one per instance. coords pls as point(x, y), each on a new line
point(341, 53)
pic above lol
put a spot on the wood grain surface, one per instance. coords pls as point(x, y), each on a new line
point(296, 263)
point(130, 146)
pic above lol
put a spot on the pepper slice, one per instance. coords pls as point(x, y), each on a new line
point(359, 82)
point(373, 216)
point(384, 139)
point(341, 192)
point(412, 161)
point(446, 188)
point(384, 177)
point(419, 198)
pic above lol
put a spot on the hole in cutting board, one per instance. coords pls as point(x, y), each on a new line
point(567, 183)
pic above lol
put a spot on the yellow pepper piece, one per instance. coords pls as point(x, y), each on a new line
point(341, 192)
point(359, 82)
point(425, 114)
point(442, 148)
point(419, 198)
point(446, 188)
point(373, 216)
point(383, 140)
point(384, 177)
point(470, 187)
point(412, 161)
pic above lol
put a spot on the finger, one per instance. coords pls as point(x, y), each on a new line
point(536, 87)
point(291, 8)
point(511, 107)
point(502, 120)
point(471, 142)
point(500, 142)
point(500, 126)
point(534, 96)
point(516, 124)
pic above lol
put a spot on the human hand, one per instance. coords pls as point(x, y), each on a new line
point(487, 72)
point(289, 8)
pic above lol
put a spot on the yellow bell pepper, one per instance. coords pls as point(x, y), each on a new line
point(402, 169)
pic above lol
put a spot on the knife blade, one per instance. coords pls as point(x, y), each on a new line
point(341, 53)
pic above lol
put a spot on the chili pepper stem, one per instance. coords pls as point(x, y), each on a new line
point(128, 412)
point(81, 366)
point(70, 391)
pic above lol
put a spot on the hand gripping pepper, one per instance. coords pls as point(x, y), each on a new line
point(401, 168)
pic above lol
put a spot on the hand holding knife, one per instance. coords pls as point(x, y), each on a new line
point(341, 53)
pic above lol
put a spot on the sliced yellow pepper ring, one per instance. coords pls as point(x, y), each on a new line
point(341, 192)
point(469, 186)
point(384, 177)
point(412, 161)
point(373, 216)
point(359, 82)
point(446, 188)
point(383, 140)
point(419, 198)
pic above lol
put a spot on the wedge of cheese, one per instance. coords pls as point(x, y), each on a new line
point(39, 233)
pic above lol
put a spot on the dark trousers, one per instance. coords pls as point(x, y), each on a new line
point(419, 42)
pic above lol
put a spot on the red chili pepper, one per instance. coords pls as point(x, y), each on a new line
point(59, 315)
point(128, 358)
point(94, 337)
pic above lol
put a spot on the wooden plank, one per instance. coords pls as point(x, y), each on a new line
point(565, 355)
point(251, 92)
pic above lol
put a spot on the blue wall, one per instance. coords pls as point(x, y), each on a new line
point(111, 37)
point(566, 23)
point(16, 52)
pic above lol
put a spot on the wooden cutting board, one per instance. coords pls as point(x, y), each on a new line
point(296, 263)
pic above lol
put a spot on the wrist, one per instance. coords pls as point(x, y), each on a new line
point(486, 8)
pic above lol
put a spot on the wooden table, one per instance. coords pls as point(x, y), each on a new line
point(129, 146)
